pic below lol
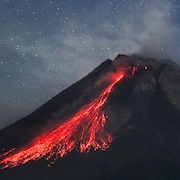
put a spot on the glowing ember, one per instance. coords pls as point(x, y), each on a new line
point(85, 130)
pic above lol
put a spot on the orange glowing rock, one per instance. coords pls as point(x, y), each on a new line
point(83, 131)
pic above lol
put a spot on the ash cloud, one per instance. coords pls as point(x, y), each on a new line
point(161, 35)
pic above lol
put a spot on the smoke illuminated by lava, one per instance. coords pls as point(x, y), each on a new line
point(83, 131)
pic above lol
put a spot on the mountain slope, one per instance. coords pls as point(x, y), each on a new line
point(143, 113)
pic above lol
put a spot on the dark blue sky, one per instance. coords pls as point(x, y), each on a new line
point(45, 46)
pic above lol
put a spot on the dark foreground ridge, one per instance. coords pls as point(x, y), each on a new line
point(143, 118)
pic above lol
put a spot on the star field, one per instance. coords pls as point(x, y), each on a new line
point(45, 46)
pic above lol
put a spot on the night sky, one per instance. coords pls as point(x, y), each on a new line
point(45, 46)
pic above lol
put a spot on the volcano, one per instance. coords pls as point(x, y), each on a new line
point(121, 121)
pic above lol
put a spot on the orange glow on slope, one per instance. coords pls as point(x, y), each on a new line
point(85, 130)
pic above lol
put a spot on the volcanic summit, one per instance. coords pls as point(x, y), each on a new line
point(121, 121)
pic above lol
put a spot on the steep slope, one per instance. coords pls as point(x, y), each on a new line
point(142, 116)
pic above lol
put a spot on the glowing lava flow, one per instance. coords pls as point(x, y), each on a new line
point(85, 130)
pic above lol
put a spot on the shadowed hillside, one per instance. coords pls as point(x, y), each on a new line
point(142, 115)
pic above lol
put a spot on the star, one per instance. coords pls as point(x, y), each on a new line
point(48, 45)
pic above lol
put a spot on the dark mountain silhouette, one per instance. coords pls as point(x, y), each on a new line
point(143, 111)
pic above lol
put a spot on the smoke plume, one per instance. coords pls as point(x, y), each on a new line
point(159, 38)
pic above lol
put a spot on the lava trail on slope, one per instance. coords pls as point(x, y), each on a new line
point(83, 131)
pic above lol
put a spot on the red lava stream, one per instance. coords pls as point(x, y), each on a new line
point(83, 131)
